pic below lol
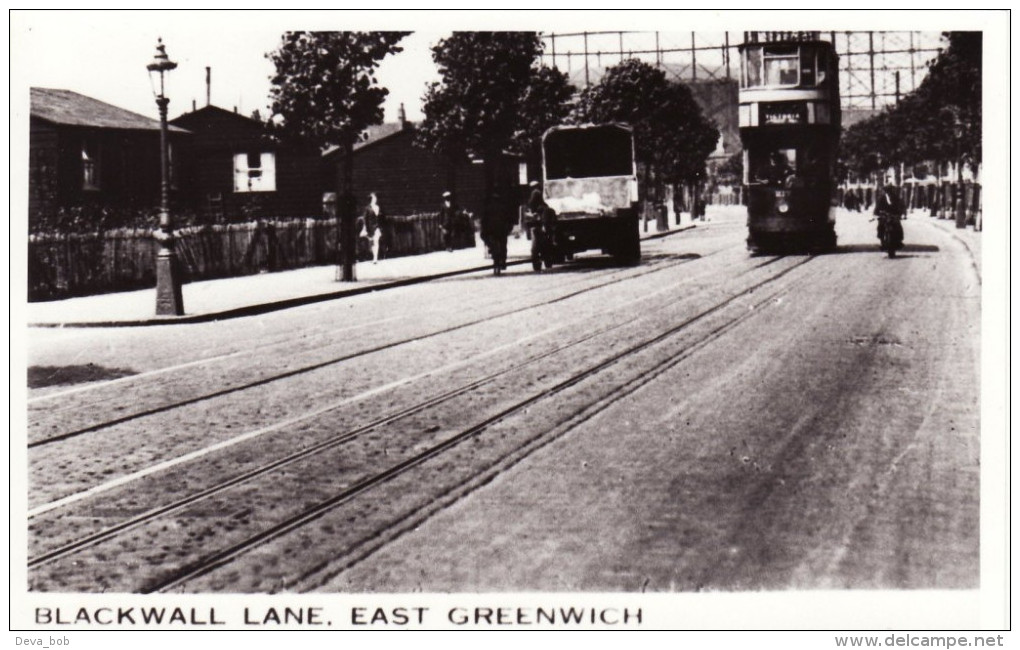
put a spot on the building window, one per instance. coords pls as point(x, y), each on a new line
point(255, 172)
point(89, 165)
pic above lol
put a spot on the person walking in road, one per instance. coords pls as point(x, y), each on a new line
point(497, 223)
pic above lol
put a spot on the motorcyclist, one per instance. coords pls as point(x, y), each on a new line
point(889, 211)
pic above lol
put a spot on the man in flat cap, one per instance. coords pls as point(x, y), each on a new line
point(448, 215)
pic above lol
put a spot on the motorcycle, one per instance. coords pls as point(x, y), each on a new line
point(890, 233)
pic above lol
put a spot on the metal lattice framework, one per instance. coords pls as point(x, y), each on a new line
point(876, 68)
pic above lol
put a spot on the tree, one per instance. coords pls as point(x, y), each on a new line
point(325, 92)
point(733, 168)
point(950, 96)
point(938, 121)
point(477, 104)
point(544, 104)
point(671, 135)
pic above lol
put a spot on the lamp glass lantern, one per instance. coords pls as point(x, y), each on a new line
point(159, 69)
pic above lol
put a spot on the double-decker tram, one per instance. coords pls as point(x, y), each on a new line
point(789, 129)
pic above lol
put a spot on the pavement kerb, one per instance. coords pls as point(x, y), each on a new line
point(948, 226)
point(263, 308)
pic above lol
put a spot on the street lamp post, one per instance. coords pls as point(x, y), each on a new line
point(169, 301)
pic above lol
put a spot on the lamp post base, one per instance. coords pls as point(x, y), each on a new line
point(169, 301)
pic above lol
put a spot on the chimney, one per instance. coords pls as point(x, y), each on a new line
point(208, 85)
point(402, 116)
point(193, 106)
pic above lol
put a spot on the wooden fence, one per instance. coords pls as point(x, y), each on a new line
point(62, 265)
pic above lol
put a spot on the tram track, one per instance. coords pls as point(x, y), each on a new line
point(288, 339)
point(318, 575)
point(309, 368)
point(297, 456)
point(73, 498)
point(278, 341)
point(224, 556)
point(228, 554)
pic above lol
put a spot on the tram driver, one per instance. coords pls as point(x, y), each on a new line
point(778, 170)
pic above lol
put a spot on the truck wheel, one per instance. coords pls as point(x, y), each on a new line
point(629, 250)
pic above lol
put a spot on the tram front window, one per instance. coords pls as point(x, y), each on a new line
point(823, 65)
point(807, 67)
point(773, 167)
point(781, 66)
point(753, 71)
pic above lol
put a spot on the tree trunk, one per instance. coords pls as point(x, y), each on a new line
point(451, 174)
point(348, 237)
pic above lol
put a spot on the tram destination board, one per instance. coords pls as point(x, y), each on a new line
point(783, 113)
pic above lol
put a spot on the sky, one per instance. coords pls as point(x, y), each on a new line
point(104, 55)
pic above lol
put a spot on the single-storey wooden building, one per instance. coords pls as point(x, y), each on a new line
point(87, 154)
point(411, 180)
point(232, 171)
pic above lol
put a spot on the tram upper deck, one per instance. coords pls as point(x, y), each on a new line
point(788, 83)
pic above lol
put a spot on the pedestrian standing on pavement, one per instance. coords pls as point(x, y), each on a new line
point(448, 216)
point(373, 222)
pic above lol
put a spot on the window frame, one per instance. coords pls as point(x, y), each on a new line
point(794, 57)
point(265, 172)
point(90, 164)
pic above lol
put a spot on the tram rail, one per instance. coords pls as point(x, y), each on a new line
point(226, 555)
point(206, 396)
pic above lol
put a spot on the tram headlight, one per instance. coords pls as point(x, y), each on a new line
point(782, 206)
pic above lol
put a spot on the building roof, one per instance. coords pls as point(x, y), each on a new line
point(374, 134)
point(211, 110)
point(72, 109)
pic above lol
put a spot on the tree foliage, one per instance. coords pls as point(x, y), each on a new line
point(671, 134)
point(325, 92)
point(546, 103)
point(325, 89)
point(939, 121)
point(733, 167)
point(492, 96)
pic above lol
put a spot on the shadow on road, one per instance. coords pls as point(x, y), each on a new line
point(585, 265)
point(43, 376)
point(874, 249)
point(605, 262)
